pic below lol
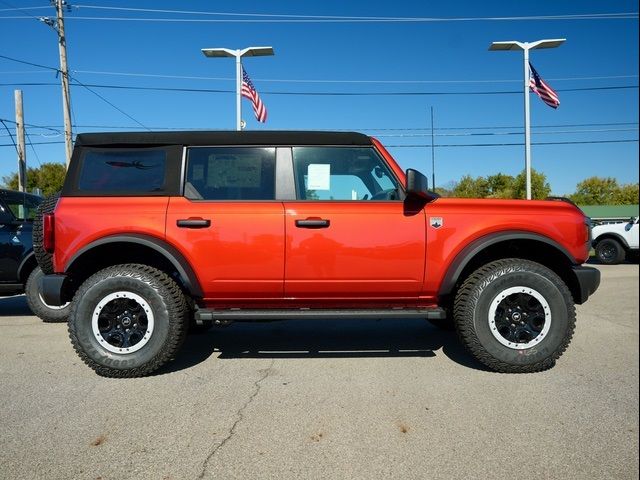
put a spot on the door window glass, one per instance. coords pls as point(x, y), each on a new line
point(342, 173)
point(231, 173)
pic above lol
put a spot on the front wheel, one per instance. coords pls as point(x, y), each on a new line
point(515, 316)
point(128, 320)
point(610, 252)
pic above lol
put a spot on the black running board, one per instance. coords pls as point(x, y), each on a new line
point(238, 315)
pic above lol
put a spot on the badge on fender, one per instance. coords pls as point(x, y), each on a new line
point(436, 222)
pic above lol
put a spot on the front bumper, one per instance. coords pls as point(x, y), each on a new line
point(588, 282)
point(52, 289)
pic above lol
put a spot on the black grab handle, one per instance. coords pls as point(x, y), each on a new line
point(193, 223)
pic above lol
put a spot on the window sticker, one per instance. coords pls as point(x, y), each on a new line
point(318, 176)
point(242, 171)
point(197, 172)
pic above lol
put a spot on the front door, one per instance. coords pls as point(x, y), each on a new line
point(349, 236)
point(228, 225)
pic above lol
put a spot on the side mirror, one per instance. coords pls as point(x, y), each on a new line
point(418, 186)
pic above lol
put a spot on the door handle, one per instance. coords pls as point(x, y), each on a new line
point(313, 223)
point(193, 223)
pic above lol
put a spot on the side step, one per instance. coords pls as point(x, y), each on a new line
point(230, 315)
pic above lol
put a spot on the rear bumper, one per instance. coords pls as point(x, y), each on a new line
point(52, 289)
point(588, 282)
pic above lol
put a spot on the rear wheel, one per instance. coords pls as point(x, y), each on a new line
point(515, 316)
point(609, 251)
point(48, 313)
point(128, 320)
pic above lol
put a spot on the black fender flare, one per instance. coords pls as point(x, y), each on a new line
point(168, 251)
point(615, 236)
point(472, 249)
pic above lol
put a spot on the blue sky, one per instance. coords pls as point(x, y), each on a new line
point(440, 57)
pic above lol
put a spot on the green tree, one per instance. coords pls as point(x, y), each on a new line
point(500, 185)
point(49, 178)
point(596, 191)
point(469, 187)
point(627, 194)
point(540, 188)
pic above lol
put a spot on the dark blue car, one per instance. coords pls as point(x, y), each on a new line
point(19, 271)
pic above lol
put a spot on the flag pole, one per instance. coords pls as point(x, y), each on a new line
point(527, 121)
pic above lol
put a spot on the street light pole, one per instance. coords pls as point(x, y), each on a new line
point(238, 91)
point(525, 47)
point(527, 124)
point(238, 54)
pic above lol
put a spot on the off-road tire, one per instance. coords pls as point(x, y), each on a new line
point(472, 307)
point(610, 252)
point(47, 313)
point(45, 259)
point(163, 296)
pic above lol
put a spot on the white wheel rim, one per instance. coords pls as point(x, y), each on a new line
point(52, 307)
point(104, 343)
point(492, 317)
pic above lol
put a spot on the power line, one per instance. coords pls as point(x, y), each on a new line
point(13, 142)
point(552, 132)
point(329, 81)
point(281, 19)
point(282, 80)
point(20, 10)
point(311, 93)
point(331, 17)
point(107, 101)
point(44, 127)
point(277, 80)
point(513, 144)
point(55, 128)
point(25, 62)
point(77, 82)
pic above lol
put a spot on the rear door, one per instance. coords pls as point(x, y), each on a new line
point(349, 235)
point(228, 224)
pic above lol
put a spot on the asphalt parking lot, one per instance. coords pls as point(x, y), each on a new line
point(325, 399)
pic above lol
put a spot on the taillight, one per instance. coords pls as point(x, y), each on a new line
point(48, 232)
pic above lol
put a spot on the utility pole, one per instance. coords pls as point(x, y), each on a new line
point(64, 76)
point(22, 151)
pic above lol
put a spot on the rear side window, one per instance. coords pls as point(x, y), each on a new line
point(22, 205)
point(123, 171)
point(230, 173)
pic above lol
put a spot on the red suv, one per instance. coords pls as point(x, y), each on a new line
point(154, 230)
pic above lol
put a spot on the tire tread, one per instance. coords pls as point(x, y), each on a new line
point(176, 307)
point(463, 314)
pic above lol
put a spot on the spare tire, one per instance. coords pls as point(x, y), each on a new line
point(45, 259)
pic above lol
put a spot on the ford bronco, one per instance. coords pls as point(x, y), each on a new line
point(154, 230)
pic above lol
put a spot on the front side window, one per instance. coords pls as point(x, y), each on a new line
point(342, 173)
point(123, 171)
point(230, 173)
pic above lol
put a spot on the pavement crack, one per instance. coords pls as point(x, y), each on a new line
point(239, 417)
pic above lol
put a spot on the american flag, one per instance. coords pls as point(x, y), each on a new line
point(542, 89)
point(249, 91)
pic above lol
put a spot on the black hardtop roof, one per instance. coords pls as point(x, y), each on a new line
point(199, 138)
